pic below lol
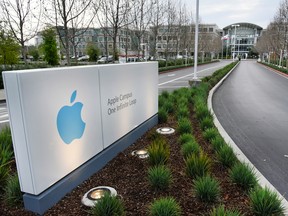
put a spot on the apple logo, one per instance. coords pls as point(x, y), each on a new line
point(69, 121)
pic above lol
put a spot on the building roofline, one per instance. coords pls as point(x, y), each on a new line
point(244, 24)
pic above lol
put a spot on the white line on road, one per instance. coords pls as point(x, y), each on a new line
point(4, 121)
point(188, 75)
point(170, 75)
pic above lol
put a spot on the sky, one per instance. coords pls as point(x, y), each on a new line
point(226, 12)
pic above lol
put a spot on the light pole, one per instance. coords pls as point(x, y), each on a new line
point(195, 79)
point(235, 39)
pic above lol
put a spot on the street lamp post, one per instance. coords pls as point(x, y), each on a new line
point(235, 40)
point(195, 81)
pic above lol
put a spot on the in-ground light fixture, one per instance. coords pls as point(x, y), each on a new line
point(141, 153)
point(95, 194)
point(165, 130)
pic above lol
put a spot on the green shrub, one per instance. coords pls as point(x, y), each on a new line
point(161, 101)
point(12, 191)
point(210, 134)
point(159, 177)
point(165, 94)
point(159, 152)
point(184, 126)
point(154, 135)
point(182, 112)
point(168, 106)
point(186, 137)
point(165, 207)
point(197, 165)
point(220, 211)
point(217, 143)
point(207, 189)
point(190, 148)
point(265, 202)
point(162, 115)
point(6, 146)
point(202, 111)
point(244, 176)
point(206, 123)
point(108, 206)
point(4, 173)
point(226, 156)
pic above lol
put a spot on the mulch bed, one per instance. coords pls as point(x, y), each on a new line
point(128, 175)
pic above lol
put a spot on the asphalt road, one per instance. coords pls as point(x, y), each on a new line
point(252, 106)
point(169, 81)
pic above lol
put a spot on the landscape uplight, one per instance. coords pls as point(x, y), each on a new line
point(95, 194)
point(142, 153)
point(165, 130)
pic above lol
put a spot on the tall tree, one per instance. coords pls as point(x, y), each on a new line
point(112, 17)
point(22, 18)
point(49, 46)
point(69, 16)
point(9, 49)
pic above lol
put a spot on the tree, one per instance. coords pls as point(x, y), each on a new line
point(93, 52)
point(69, 17)
point(33, 51)
point(22, 23)
point(9, 49)
point(113, 13)
point(50, 46)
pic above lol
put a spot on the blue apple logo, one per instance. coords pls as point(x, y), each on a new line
point(69, 122)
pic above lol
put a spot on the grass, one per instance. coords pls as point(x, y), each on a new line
point(186, 137)
point(206, 123)
point(210, 134)
point(108, 206)
point(184, 126)
point(207, 189)
point(244, 176)
point(265, 202)
point(217, 143)
point(12, 191)
point(198, 165)
point(159, 152)
point(166, 206)
point(162, 115)
point(189, 148)
point(159, 177)
point(220, 211)
point(226, 156)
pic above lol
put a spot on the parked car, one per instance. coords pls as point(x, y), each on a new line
point(84, 58)
point(104, 59)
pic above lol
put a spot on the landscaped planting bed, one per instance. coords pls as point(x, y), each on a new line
point(189, 172)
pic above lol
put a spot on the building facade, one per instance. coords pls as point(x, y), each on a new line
point(240, 38)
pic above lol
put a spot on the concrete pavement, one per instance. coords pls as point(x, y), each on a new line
point(2, 95)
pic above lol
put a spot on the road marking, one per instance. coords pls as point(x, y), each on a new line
point(189, 75)
point(170, 75)
point(4, 121)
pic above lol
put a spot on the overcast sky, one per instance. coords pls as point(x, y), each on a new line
point(226, 12)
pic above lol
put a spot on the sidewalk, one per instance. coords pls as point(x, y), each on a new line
point(2, 96)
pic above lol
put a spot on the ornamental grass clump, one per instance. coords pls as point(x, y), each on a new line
point(12, 191)
point(182, 112)
point(189, 148)
point(220, 211)
point(166, 206)
point(207, 189)
point(186, 137)
point(159, 177)
point(198, 165)
point(202, 111)
point(265, 202)
point(168, 106)
point(162, 115)
point(108, 206)
point(244, 176)
point(206, 123)
point(210, 134)
point(226, 156)
point(159, 152)
point(217, 143)
point(184, 126)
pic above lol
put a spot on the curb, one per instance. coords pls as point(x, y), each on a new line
point(263, 182)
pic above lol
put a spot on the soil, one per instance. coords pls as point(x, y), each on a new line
point(128, 175)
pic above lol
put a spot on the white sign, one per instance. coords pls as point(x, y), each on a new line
point(60, 118)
